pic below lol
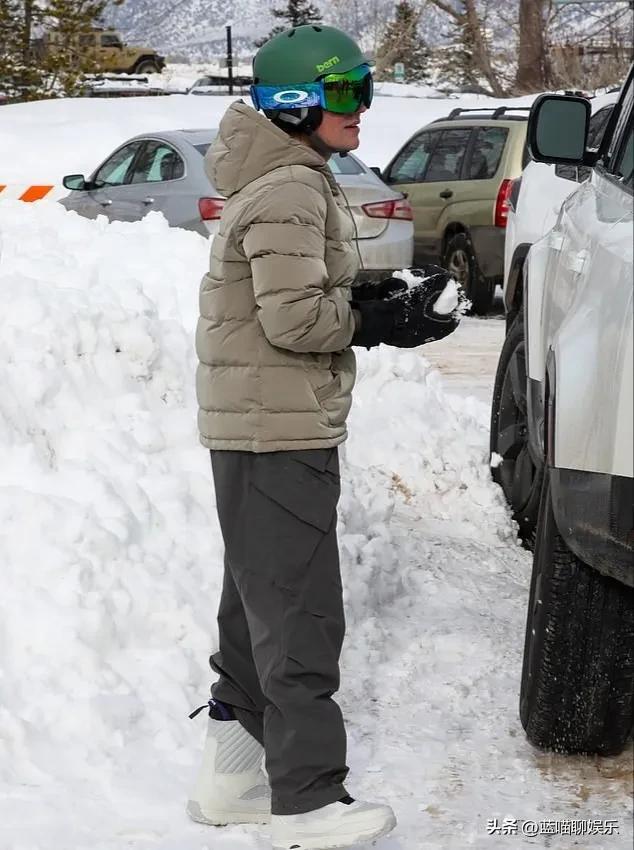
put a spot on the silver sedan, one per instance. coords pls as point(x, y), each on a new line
point(165, 172)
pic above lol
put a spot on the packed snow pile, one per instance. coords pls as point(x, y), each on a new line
point(105, 502)
point(112, 561)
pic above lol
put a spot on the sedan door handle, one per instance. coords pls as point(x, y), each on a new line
point(446, 193)
point(148, 200)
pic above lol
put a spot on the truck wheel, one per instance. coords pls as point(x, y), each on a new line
point(577, 692)
point(461, 261)
point(146, 66)
point(519, 476)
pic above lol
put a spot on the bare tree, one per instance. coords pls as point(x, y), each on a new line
point(465, 15)
point(532, 59)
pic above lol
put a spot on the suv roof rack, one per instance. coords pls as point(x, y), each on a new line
point(495, 113)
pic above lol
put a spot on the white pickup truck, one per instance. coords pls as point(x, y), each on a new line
point(562, 433)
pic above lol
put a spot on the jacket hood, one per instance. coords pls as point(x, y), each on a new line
point(248, 146)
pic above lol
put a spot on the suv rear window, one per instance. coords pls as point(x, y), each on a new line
point(486, 153)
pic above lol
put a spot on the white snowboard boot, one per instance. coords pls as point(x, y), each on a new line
point(231, 786)
point(335, 826)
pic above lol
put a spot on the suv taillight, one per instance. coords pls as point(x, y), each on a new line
point(502, 204)
point(514, 194)
point(211, 208)
point(401, 208)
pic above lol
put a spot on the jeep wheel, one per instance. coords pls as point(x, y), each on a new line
point(577, 693)
point(518, 474)
point(460, 260)
point(146, 66)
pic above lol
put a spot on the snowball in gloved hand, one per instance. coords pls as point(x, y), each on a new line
point(443, 296)
point(448, 300)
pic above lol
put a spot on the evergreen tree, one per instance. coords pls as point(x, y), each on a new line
point(10, 47)
point(55, 64)
point(458, 66)
point(296, 13)
point(403, 43)
point(19, 76)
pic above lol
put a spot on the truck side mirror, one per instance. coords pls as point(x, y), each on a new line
point(558, 129)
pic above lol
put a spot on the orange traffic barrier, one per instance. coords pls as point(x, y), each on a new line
point(30, 194)
point(35, 193)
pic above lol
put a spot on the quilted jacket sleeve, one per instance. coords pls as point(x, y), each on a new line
point(284, 242)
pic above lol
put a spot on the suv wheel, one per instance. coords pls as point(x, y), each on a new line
point(517, 474)
point(146, 66)
point(460, 260)
point(577, 691)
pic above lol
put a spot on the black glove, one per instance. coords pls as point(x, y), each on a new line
point(378, 291)
point(408, 319)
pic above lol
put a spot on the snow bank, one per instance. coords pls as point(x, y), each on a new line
point(110, 547)
point(105, 503)
point(112, 562)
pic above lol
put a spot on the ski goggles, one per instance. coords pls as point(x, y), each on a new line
point(340, 93)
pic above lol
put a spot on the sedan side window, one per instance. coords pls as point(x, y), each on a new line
point(115, 170)
point(157, 163)
point(448, 156)
point(487, 151)
point(409, 166)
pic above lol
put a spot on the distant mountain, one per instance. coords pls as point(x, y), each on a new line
point(195, 29)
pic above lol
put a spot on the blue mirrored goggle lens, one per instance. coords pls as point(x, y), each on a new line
point(288, 96)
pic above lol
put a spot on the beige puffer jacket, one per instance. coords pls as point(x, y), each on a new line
point(276, 371)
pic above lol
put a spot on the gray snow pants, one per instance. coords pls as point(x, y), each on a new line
point(281, 621)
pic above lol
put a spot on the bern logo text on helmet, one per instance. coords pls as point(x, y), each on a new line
point(334, 60)
point(290, 96)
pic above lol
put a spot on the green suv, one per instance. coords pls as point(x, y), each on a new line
point(457, 173)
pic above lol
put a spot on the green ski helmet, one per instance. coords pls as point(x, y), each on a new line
point(305, 55)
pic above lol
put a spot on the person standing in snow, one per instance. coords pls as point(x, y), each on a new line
point(277, 322)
